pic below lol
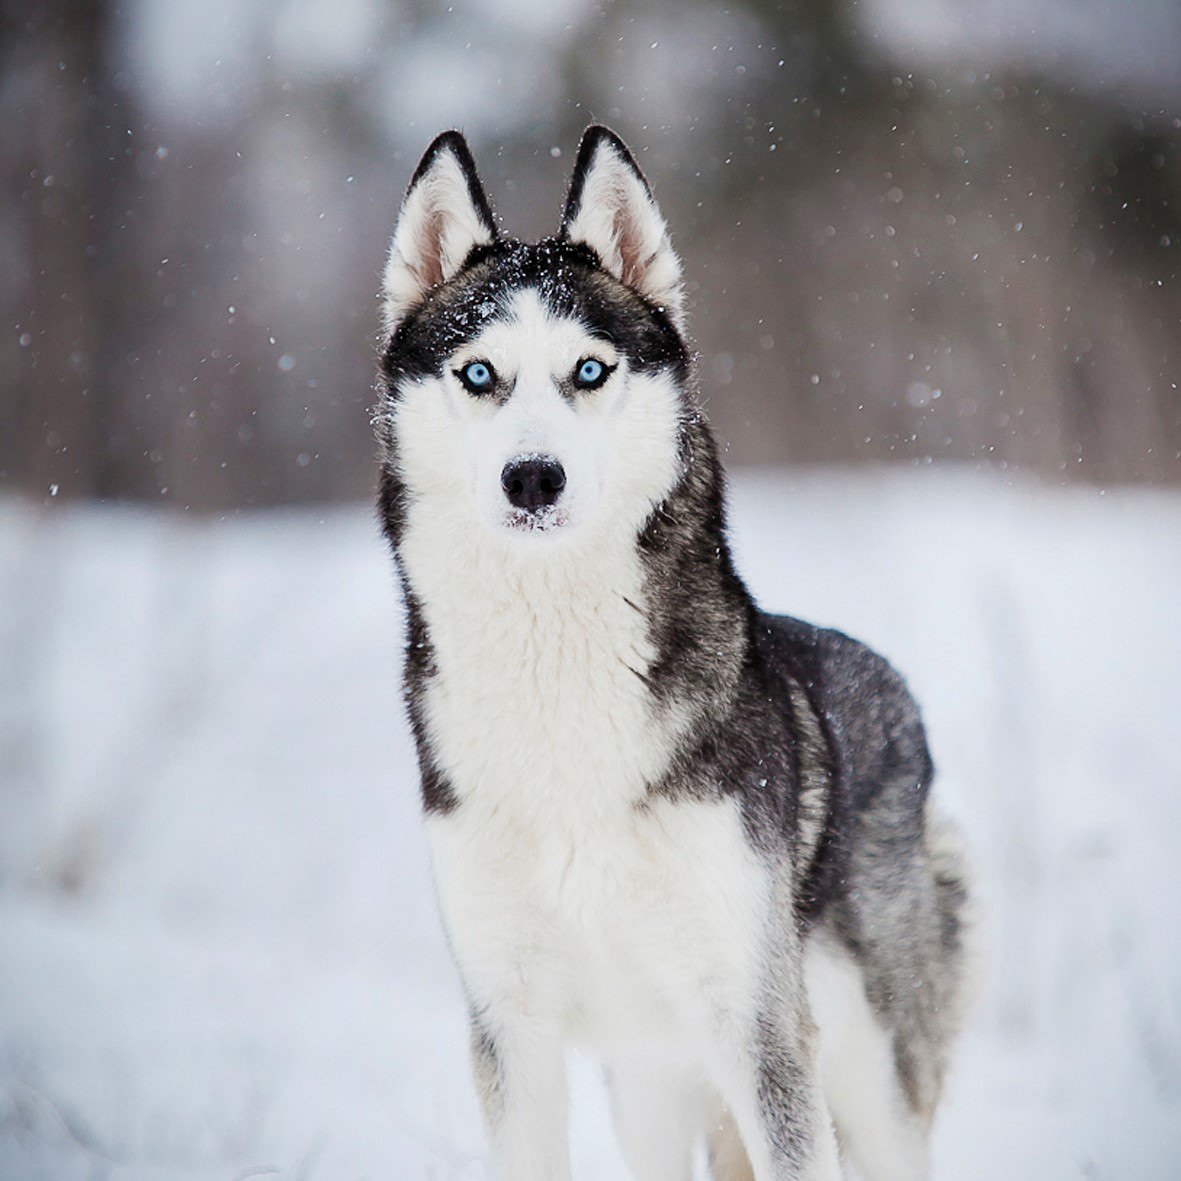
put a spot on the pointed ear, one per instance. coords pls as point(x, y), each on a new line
point(610, 208)
point(444, 215)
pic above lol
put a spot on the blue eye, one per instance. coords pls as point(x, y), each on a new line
point(590, 373)
point(477, 376)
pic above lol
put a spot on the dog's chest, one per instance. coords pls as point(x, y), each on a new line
point(539, 699)
point(621, 930)
point(562, 883)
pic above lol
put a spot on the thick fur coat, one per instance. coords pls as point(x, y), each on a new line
point(686, 835)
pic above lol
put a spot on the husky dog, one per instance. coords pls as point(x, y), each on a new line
point(686, 835)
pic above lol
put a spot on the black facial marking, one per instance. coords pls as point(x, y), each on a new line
point(569, 281)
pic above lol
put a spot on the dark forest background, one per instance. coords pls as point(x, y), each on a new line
point(914, 232)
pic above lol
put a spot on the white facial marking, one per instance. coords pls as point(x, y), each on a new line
point(615, 446)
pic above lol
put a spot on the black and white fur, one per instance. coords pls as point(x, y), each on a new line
point(686, 835)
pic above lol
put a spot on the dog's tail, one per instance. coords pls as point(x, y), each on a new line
point(960, 928)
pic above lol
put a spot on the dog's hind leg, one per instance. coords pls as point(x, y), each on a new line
point(659, 1111)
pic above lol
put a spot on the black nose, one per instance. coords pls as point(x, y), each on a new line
point(534, 482)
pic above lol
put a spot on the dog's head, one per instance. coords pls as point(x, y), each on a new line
point(537, 389)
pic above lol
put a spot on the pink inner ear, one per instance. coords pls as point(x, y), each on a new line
point(632, 263)
point(428, 268)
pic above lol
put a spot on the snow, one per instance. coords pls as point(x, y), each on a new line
point(219, 956)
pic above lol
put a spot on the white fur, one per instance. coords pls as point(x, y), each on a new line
point(437, 228)
point(618, 218)
point(660, 1110)
point(617, 444)
point(635, 933)
point(881, 1136)
point(538, 636)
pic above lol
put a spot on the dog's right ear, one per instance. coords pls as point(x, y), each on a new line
point(445, 214)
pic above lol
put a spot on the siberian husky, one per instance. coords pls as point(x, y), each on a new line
point(686, 835)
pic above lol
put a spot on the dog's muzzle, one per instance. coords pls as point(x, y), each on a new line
point(533, 482)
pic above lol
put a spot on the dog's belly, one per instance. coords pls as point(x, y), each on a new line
point(630, 931)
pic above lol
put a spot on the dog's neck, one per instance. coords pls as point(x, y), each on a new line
point(599, 655)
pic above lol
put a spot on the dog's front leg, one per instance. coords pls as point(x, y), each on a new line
point(520, 1077)
point(770, 1083)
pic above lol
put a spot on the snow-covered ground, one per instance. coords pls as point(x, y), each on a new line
point(218, 950)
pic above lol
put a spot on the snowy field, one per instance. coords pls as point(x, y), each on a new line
point(219, 956)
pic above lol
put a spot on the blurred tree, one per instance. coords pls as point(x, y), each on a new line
point(890, 256)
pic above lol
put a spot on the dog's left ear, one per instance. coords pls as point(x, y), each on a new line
point(610, 208)
point(444, 216)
